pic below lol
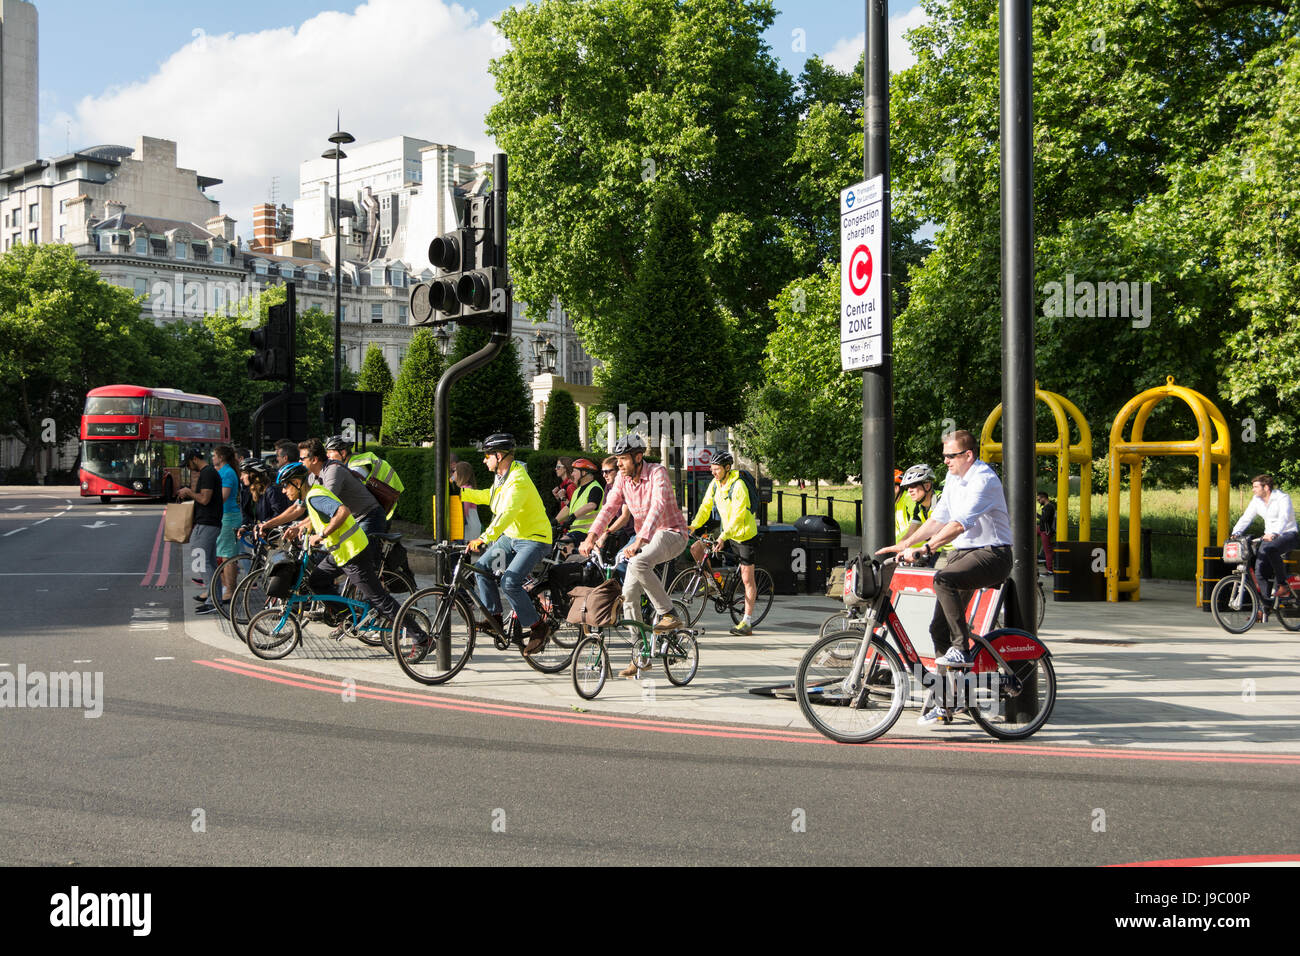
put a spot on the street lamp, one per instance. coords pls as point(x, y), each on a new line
point(338, 138)
point(443, 338)
point(549, 354)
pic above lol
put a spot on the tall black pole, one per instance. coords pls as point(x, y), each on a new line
point(878, 382)
point(1015, 37)
point(338, 289)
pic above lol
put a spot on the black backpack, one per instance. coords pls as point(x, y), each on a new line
point(751, 486)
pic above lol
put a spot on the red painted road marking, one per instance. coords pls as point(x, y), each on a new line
point(153, 558)
point(333, 686)
point(1219, 860)
point(166, 563)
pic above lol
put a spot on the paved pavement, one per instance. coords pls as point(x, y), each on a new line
point(1155, 673)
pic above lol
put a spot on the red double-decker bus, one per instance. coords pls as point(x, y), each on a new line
point(132, 438)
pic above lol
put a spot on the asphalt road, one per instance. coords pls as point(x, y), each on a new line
point(192, 764)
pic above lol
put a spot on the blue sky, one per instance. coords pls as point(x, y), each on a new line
point(111, 72)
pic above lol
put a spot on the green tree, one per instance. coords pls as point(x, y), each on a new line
point(490, 399)
point(559, 427)
point(1127, 95)
point(375, 375)
point(675, 353)
point(409, 411)
point(63, 331)
point(601, 98)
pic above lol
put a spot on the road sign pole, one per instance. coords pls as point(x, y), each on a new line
point(878, 381)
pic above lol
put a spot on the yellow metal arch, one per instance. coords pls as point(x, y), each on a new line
point(1208, 450)
point(1064, 453)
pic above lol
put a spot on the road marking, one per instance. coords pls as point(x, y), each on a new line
point(153, 557)
point(150, 618)
point(15, 531)
point(1278, 859)
point(164, 658)
point(67, 574)
point(16, 508)
point(86, 661)
point(99, 524)
point(739, 732)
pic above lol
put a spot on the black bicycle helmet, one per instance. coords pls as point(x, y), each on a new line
point(916, 475)
point(338, 443)
point(499, 441)
point(628, 444)
point(723, 458)
point(295, 469)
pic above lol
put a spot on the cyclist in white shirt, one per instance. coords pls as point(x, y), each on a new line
point(972, 515)
point(1280, 532)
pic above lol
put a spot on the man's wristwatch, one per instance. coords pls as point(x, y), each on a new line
point(926, 549)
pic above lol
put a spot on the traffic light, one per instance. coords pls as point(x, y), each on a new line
point(273, 345)
point(471, 287)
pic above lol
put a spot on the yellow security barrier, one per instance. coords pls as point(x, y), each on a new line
point(1065, 453)
point(1208, 450)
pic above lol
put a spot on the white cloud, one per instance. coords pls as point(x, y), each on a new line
point(844, 55)
point(246, 107)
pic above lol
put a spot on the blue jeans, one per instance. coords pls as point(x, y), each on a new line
point(519, 557)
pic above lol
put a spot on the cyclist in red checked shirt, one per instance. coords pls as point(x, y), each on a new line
point(660, 530)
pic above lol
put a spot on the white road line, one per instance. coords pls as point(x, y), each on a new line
point(15, 531)
point(42, 521)
point(164, 658)
point(86, 661)
point(147, 626)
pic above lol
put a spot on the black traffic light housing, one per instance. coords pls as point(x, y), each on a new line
point(274, 344)
point(471, 286)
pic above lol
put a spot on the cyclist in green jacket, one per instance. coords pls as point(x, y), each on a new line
point(739, 527)
point(365, 464)
point(518, 538)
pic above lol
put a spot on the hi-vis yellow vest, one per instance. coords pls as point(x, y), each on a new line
point(348, 540)
point(586, 521)
point(381, 469)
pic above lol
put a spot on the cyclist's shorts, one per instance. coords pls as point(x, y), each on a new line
point(744, 551)
point(227, 545)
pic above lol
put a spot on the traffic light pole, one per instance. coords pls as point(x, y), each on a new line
point(500, 335)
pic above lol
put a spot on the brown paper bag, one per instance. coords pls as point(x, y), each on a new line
point(178, 521)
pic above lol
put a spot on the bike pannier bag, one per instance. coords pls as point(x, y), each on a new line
point(396, 560)
point(281, 573)
point(596, 607)
point(178, 521)
point(860, 581)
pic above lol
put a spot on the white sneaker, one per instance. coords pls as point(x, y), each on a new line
point(931, 716)
point(955, 657)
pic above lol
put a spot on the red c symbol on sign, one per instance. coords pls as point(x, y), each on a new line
point(860, 270)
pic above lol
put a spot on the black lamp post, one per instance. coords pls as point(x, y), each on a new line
point(549, 355)
point(338, 138)
point(443, 338)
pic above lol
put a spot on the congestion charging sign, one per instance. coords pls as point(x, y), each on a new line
point(860, 278)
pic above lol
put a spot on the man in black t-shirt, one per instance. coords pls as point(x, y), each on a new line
point(205, 490)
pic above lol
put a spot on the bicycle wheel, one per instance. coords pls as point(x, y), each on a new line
point(273, 633)
point(1234, 604)
point(848, 703)
point(1024, 699)
point(562, 632)
point(1042, 603)
point(373, 633)
point(762, 602)
point(590, 667)
point(249, 598)
point(551, 659)
point(843, 621)
point(1288, 615)
point(691, 587)
point(450, 622)
point(681, 657)
point(243, 563)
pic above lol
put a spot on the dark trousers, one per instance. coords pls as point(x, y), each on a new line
point(361, 574)
point(965, 572)
point(1269, 557)
point(1046, 537)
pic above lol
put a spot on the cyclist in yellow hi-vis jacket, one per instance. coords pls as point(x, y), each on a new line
point(519, 536)
point(728, 491)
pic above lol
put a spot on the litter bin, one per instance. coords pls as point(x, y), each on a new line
point(774, 552)
point(819, 536)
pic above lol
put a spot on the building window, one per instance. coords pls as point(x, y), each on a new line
point(141, 287)
point(62, 230)
point(377, 312)
point(31, 213)
point(259, 268)
point(141, 245)
point(182, 249)
point(18, 217)
point(218, 254)
point(31, 236)
point(105, 242)
point(401, 314)
point(63, 205)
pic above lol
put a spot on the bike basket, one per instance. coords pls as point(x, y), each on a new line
point(861, 583)
point(281, 573)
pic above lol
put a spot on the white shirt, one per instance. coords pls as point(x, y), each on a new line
point(1278, 515)
point(977, 503)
